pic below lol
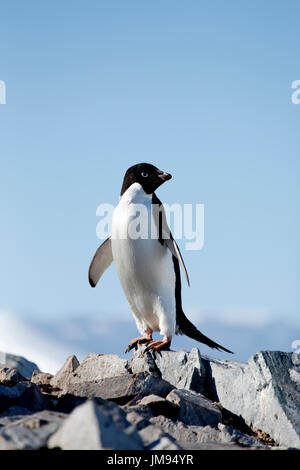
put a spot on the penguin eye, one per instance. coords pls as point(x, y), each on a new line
point(144, 174)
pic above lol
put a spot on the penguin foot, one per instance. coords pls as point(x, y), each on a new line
point(136, 341)
point(159, 345)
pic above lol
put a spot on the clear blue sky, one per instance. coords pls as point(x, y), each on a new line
point(200, 89)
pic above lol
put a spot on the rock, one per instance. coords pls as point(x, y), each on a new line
point(143, 361)
point(43, 380)
point(186, 435)
point(62, 377)
point(66, 403)
point(12, 414)
point(152, 435)
point(30, 432)
point(165, 443)
point(137, 414)
point(160, 406)
point(93, 427)
point(184, 370)
point(22, 365)
point(19, 439)
point(193, 437)
point(10, 376)
point(120, 388)
point(195, 408)
point(266, 392)
point(23, 394)
point(229, 435)
point(168, 401)
point(138, 418)
point(96, 367)
point(234, 421)
point(93, 368)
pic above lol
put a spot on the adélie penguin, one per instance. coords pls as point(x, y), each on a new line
point(148, 264)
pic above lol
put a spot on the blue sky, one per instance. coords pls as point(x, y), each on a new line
point(200, 89)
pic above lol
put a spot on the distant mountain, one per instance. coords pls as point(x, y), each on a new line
point(48, 343)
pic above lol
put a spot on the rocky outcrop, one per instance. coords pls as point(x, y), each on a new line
point(169, 400)
point(265, 392)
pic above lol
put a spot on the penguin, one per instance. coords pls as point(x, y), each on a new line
point(148, 264)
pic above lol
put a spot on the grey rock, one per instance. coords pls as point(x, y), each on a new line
point(143, 361)
point(121, 388)
point(266, 392)
point(19, 438)
point(42, 379)
point(217, 446)
point(234, 421)
point(151, 399)
point(186, 435)
point(62, 377)
point(43, 424)
point(150, 434)
point(229, 435)
point(165, 443)
point(93, 427)
point(10, 376)
point(22, 395)
point(193, 437)
point(137, 419)
point(22, 365)
point(184, 370)
point(37, 420)
point(12, 414)
point(138, 415)
point(160, 406)
point(195, 408)
point(66, 403)
point(152, 437)
point(96, 367)
point(162, 403)
point(30, 432)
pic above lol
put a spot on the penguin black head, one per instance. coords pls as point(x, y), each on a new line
point(147, 175)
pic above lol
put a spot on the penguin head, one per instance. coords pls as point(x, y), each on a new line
point(147, 175)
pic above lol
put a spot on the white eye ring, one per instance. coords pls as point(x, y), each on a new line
point(144, 174)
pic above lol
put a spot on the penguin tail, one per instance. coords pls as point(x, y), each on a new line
point(185, 327)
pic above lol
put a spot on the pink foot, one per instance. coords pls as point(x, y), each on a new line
point(136, 341)
point(158, 345)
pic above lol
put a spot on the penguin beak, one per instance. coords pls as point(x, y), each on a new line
point(164, 176)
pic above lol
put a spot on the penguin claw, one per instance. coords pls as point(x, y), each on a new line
point(135, 343)
point(155, 352)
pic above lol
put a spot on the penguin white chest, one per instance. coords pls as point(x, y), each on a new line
point(144, 266)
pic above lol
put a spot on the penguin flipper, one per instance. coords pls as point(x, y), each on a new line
point(101, 261)
point(173, 247)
